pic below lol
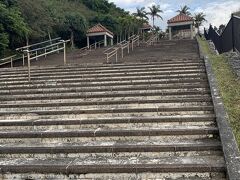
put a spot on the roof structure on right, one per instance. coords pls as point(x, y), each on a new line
point(180, 18)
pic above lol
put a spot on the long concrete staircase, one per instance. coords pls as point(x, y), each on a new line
point(150, 120)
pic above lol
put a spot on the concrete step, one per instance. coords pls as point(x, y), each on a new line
point(107, 121)
point(163, 71)
point(67, 75)
point(150, 149)
point(136, 69)
point(100, 165)
point(121, 176)
point(107, 73)
point(150, 82)
point(60, 89)
point(85, 95)
point(113, 110)
point(161, 134)
point(102, 121)
point(100, 66)
point(87, 80)
point(88, 133)
point(98, 102)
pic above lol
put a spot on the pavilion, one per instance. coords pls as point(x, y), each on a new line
point(145, 28)
point(181, 26)
point(99, 30)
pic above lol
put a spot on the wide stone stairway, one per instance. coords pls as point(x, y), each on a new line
point(151, 120)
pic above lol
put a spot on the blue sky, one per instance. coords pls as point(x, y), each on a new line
point(217, 11)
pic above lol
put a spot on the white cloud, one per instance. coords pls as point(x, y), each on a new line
point(217, 11)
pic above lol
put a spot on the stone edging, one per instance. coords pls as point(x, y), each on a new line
point(229, 145)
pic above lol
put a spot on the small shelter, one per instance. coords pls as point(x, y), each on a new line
point(145, 28)
point(181, 26)
point(99, 30)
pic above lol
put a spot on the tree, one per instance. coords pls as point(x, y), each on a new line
point(142, 14)
point(38, 18)
point(75, 23)
point(184, 10)
point(12, 27)
point(154, 12)
point(221, 28)
point(199, 19)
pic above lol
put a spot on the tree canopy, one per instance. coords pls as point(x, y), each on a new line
point(184, 10)
point(32, 21)
point(155, 11)
point(12, 26)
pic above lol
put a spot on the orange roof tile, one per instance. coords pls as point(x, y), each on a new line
point(98, 28)
point(146, 26)
point(180, 18)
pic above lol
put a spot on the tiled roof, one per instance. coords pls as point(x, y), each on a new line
point(146, 26)
point(180, 18)
point(98, 28)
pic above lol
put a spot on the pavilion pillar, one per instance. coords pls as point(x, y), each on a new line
point(170, 32)
point(111, 41)
point(88, 45)
point(191, 26)
point(105, 40)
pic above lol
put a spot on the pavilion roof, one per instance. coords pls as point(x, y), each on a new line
point(98, 28)
point(146, 26)
point(180, 18)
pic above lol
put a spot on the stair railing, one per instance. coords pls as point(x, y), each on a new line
point(110, 52)
point(36, 53)
point(7, 60)
point(123, 45)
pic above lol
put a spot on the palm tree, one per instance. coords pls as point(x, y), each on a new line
point(199, 19)
point(184, 10)
point(154, 12)
point(142, 14)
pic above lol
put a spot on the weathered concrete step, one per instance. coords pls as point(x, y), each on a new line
point(112, 147)
point(104, 95)
point(165, 131)
point(83, 102)
point(92, 67)
point(99, 76)
point(167, 82)
point(99, 80)
point(121, 176)
point(78, 110)
point(109, 106)
point(153, 69)
point(94, 74)
point(60, 89)
point(112, 165)
point(116, 120)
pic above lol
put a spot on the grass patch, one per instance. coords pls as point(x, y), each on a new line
point(228, 85)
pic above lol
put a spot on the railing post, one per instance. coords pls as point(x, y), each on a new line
point(29, 64)
point(116, 56)
point(64, 52)
point(128, 48)
point(45, 53)
point(122, 52)
point(36, 55)
point(23, 59)
point(11, 62)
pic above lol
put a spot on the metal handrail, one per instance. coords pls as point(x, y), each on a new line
point(112, 53)
point(29, 58)
point(8, 60)
point(36, 44)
